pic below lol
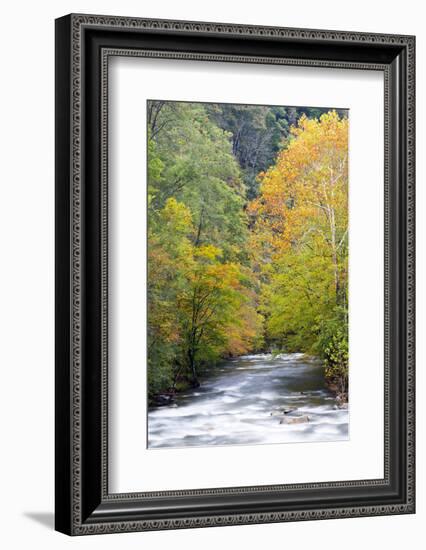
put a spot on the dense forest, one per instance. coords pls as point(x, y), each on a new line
point(247, 237)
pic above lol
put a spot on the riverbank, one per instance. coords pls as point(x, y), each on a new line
point(342, 397)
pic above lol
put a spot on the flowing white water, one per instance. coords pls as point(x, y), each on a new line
point(234, 405)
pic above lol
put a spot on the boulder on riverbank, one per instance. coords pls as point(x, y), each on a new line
point(342, 397)
point(344, 406)
point(163, 399)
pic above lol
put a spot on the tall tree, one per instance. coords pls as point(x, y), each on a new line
point(301, 234)
point(201, 303)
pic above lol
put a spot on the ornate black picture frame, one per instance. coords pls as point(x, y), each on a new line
point(84, 44)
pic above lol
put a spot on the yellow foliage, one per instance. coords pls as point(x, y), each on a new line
point(303, 203)
point(308, 185)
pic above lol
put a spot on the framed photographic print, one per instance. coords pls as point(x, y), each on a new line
point(234, 274)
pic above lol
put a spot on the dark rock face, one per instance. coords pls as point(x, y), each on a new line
point(163, 399)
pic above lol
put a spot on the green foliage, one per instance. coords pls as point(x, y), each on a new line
point(201, 303)
point(257, 134)
point(334, 350)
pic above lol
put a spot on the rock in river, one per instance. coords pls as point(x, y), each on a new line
point(284, 410)
point(295, 419)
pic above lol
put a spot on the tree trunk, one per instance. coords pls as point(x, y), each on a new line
point(191, 359)
point(334, 254)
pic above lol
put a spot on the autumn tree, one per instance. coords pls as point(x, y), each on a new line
point(201, 303)
point(215, 308)
point(300, 235)
point(169, 253)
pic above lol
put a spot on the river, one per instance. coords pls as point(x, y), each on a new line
point(242, 402)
